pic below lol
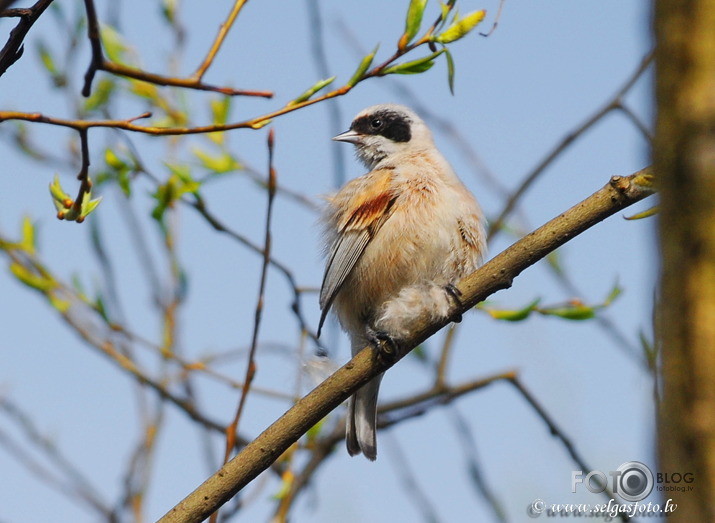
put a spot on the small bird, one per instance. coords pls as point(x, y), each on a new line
point(397, 240)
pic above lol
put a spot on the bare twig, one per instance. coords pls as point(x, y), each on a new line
point(98, 62)
point(216, 45)
point(200, 205)
point(71, 480)
point(251, 366)
point(187, 83)
point(613, 104)
point(441, 368)
point(558, 433)
point(318, 48)
point(85, 184)
point(471, 462)
point(496, 19)
point(410, 485)
point(13, 48)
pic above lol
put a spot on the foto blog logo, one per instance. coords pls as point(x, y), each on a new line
point(632, 481)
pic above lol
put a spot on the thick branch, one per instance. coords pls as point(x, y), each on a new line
point(684, 157)
point(496, 274)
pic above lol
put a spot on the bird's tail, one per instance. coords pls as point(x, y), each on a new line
point(361, 427)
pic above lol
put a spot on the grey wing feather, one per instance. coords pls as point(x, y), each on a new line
point(343, 257)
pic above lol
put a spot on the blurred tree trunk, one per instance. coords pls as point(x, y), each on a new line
point(684, 160)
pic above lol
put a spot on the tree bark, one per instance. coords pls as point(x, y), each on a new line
point(684, 163)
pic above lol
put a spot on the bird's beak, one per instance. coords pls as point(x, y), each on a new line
point(349, 136)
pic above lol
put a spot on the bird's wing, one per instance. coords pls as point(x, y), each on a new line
point(367, 211)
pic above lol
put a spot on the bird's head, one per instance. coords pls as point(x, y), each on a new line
point(384, 131)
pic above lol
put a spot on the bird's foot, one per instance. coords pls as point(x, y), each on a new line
point(456, 295)
point(383, 343)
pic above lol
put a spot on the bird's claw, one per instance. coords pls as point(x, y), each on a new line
point(383, 343)
point(454, 293)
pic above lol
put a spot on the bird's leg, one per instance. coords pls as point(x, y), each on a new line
point(383, 343)
point(454, 293)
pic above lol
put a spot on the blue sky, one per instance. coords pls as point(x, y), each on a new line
point(547, 67)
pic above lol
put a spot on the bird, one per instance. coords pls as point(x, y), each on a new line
point(397, 240)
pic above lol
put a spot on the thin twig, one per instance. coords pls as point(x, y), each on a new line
point(441, 368)
point(14, 47)
point(200, 205)
point(251, 366)
point(411, 487)
point(216, 45)
point(95, 43)
point(496, 20)
point(558, 433)
point(85, 184)
point(72, 481)
point(187, 83)
point(318, 48)
point(471, 462)
point(614, 103)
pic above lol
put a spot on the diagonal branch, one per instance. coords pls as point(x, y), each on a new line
point(220, 37)
point(495, 275)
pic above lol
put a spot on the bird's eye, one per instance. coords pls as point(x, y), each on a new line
point(376, 123)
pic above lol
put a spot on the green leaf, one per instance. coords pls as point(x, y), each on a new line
point(168, 9)
point(119, 170)
point(514, 315)
point(100, 94)
point(616, 291)
point(450, 70)
point(61, 305)
point(572, 312)
point(61, 199)
point(460, 28)
point(101, 308)
point(650, 350)
point(314, 431)
point(420, 353)
point(179, 183)
point(147, 91)
point(113, 160)
point(182, 172)
point(164, 197)
point(414, 19)
point(28, 236)
point(645, 214)
point(645, 179)
point(445, 8)
point(46, 58)
point(554, 261)
point(363, 67)
point(221, 164)
point(112, 43)
point(414, 67)
point(311, 91)
point(31, 279)
point(88, 205)
point(220, 108)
